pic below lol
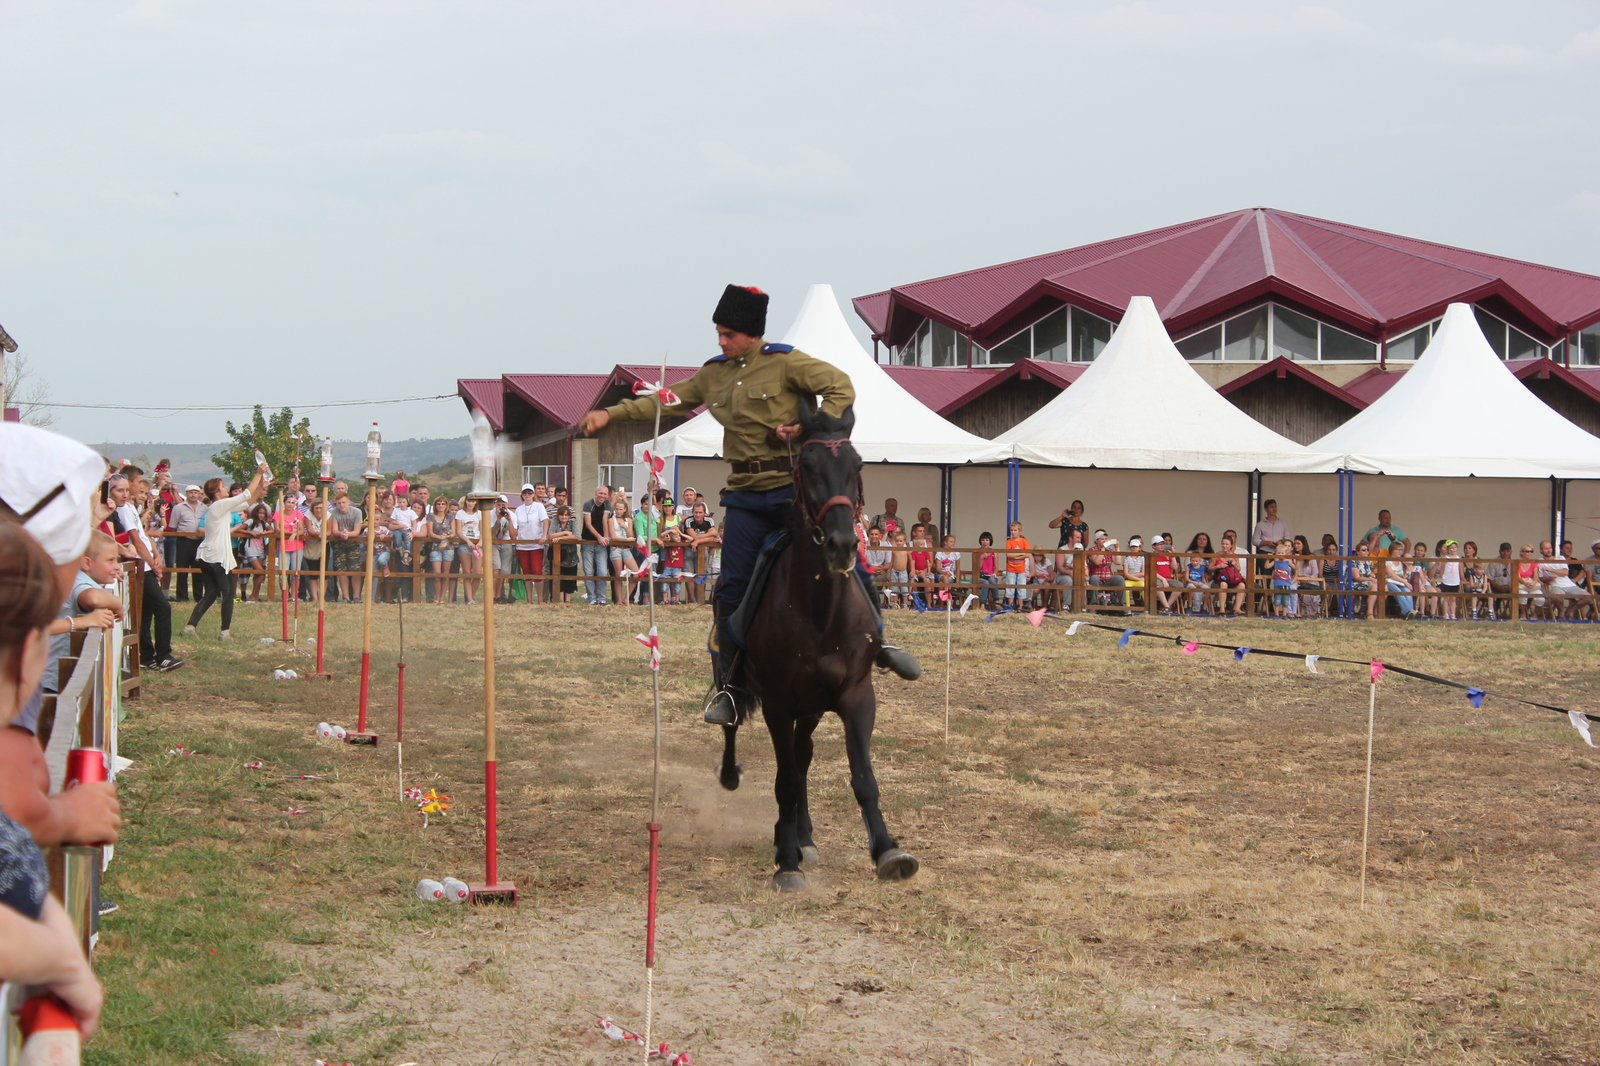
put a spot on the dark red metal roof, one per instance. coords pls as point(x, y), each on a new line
point(485, 393)
point(1588, 383)
point(562, 398)
point(947, 389)
point(1280, 367)
point(1373, 282)
point(1374, 383)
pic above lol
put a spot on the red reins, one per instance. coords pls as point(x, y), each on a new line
point(813, 519)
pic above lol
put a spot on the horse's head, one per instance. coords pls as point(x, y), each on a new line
point(828, 483)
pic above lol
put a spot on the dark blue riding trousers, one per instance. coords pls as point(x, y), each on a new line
point(748, 519)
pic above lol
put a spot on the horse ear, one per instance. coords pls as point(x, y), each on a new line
point(808, 410)
point(847, 419)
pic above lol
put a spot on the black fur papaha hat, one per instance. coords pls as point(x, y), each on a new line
point(743, 308)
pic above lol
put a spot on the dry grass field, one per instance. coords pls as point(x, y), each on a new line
point(1129, 855)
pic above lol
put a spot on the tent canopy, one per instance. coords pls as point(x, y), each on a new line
point(891, 424)
point(1141, 406)
point(1461, 412)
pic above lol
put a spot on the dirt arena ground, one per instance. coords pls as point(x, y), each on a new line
point(1129, 855)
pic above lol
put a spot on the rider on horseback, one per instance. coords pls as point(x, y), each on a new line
point(753, 389)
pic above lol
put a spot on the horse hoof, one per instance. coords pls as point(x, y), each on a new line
point(788, 881)
point(729, 779)
point(810, 855)
point(896, 865)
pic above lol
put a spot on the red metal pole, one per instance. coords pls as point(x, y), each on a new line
point(366, 666)
point(491, 835)
point(650, 906)
point(322, 617)
point(286, 613)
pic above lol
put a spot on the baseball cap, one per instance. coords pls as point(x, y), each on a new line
point(193, 488)
point(1136, 539)
point(527, 488)
point(48, 481)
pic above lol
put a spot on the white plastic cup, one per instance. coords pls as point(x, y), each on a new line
point(429, 890)
point(455, 891)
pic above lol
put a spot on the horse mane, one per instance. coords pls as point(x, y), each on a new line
point(819, 423)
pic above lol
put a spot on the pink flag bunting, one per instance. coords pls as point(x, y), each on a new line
point(1037, 617)
point(1191, 647)
point(1377, 668)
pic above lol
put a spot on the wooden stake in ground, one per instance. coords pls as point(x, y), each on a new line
point(949, 611)
point(492, 890)
point(400, 704)
point(368, 594)
point(1366, 810)
point(654, 825)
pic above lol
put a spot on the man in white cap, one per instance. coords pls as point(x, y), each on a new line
point(531, 518)
point(186, 519)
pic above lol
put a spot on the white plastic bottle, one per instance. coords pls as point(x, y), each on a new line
point(326, 471)
point(324, 729)
point(374, 454)
point(429, 890)
point(261, 460)
point(455, 891)
point(483, 457)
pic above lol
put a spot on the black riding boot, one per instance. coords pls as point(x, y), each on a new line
point(890, 656)
point(730, 702)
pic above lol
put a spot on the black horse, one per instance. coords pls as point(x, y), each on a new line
point(811, 646)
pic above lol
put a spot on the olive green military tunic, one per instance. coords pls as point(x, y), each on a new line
point(751, 395)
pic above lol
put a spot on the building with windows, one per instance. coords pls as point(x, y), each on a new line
point(534, 415)
point(1284, 314)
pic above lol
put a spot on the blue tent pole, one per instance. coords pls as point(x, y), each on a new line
point(1344, 520)
point(1013, 485)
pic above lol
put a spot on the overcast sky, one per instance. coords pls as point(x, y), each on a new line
point(296, 203)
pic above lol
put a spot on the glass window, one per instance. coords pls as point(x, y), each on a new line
point(1050, 336)
point(1009, 351)
point(1523, 346)
point(918, 350)
point(963, 350)
point(1090, 335)
point(944, 345)
point(1245, 337)
point(1587, 346)
point(1412, 345)
point(1294, 336)
point(1493, 329)
point(1346, 347)
point(1207, 344)
point(617, 475)
point(553, 476)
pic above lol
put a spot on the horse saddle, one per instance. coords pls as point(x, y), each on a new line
point(739, 621)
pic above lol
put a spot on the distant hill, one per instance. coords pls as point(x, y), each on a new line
point(192, 462)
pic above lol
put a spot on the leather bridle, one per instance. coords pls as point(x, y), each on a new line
point(813, 519)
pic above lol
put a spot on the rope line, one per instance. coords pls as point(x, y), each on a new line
point(1476, 693)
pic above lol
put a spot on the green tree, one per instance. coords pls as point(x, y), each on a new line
point(280, 439)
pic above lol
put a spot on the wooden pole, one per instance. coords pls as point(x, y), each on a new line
point(493, 890)
point(1366, 810)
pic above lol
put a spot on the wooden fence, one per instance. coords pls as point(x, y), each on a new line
point(100, 670)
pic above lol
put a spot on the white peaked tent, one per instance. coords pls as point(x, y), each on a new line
point(891, 424)
point(1141, 406)
point(1461, 412)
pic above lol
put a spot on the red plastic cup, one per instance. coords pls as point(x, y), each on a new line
point(85, 766)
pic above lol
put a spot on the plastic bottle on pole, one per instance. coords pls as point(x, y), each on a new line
point(374, 454)
point(483, 464)
point(455, 891)
point(326, 472)
point(429, 890)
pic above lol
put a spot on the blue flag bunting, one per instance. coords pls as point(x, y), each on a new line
point(993, 614)
point(1239, 654)
point(916, 601)
point(1476, 696)
point(701, 580)
point(1127, 635)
